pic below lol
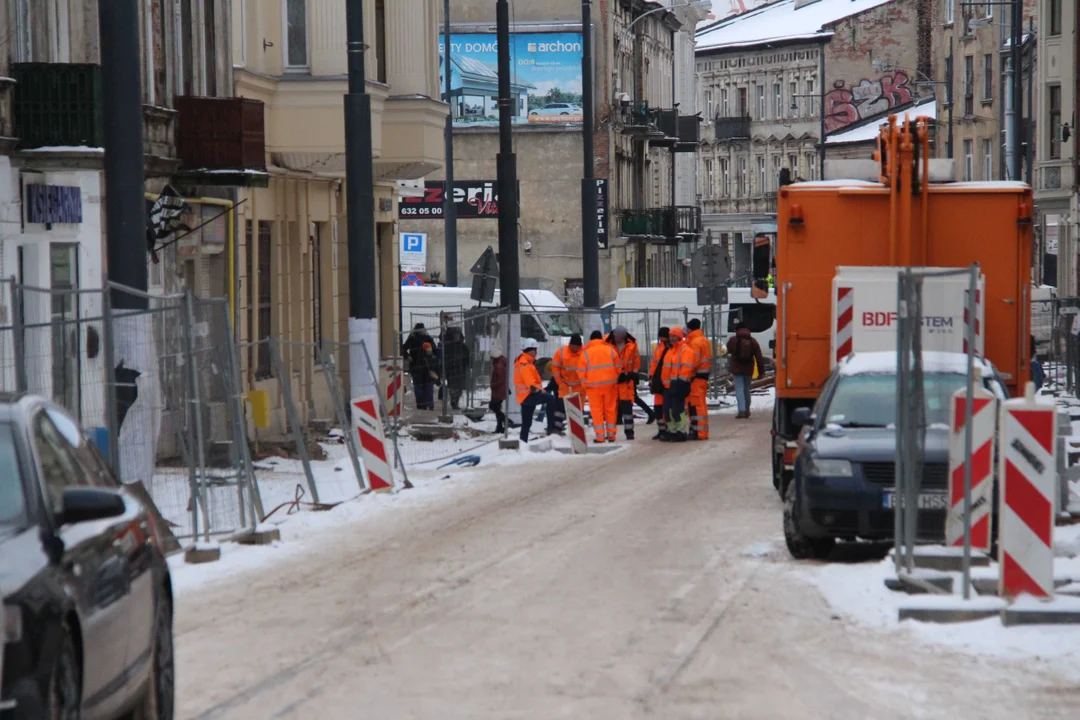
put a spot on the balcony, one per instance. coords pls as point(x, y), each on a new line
point(57, 105)
point(666, 224)
point(689, 134)
point(667, 122)
point(640, 120)
point(733, 128)
point(1054, 178)
point(222, 141)
point(413, 138)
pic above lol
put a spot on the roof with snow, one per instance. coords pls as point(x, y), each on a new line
point(870, 130)
point(782, 21)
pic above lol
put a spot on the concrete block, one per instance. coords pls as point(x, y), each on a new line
point(509, 444)
point(989, 585)
point(431, 433)
point(1054, 612)
point(199, 554)
point(950, 608)
point(262, 536)
point(903, 584)
point(945, 559)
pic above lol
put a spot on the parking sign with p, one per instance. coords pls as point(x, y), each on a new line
point(412, 252)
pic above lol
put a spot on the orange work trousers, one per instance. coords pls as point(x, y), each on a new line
point(603, 408)
point(697, 409)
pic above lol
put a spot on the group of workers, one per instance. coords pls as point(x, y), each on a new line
point(606, 371)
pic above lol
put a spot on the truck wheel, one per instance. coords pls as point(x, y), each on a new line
point(800, 546)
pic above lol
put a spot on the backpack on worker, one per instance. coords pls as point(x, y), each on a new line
point(745, 351)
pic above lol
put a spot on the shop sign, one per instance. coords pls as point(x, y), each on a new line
point(49, 204)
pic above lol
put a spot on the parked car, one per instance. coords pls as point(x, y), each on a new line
point(844, 480)
point(557, 109)
point(87, 597)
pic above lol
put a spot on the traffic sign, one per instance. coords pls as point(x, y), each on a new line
point(411, 279)
point(710, 265)
point(412, 252)
point(486, 264)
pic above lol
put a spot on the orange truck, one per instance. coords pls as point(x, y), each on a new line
point(911, 214)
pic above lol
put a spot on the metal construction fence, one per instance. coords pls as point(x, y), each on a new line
point(1055, 335)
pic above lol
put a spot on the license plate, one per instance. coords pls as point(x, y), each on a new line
point(927, 501)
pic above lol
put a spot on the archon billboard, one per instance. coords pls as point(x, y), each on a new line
point(545, 77)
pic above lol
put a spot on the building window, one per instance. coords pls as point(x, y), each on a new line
point(793, 165)
point(263, 369)
point(778, 97)
point(969, 85)
point(811, 166)
point(1055, 17)
point(988, 160)
point(969, 160)
point(709, 179)
point(761, 175)
point(708, 105)
point(66, 365)
point(776, 172)
point(725, 179)
point(988, 77)
point(950, 10)
point(763, 111)
point(810, 93)
point(724, 103)
point(296, 55)
point(741, 179)
point(948, 81)
point(793, 91)
point(743, 108)
point(380, 40)
point(1053, 126)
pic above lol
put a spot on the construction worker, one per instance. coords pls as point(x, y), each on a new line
point(600, 370)
point(566, 371)
point(656, 382)
point(699, 384)
point(626, 347)
point(529, 388)
point(679, 364)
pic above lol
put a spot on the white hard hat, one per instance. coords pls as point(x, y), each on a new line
point(528, 344)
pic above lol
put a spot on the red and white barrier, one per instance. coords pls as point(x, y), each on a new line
point(393, 395)
point(984, 430)
point(1028, 479)
point(373, 453)
point(978, 321)
point(845, 314)
point(575, 418)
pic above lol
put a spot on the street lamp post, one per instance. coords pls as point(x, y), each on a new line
point(590, 251)
point(449, 208)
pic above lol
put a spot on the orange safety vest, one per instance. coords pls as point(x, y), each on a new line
point(601, 365)
point(679, 363)
point(526, 377)
point(703, 348)
point(631, 363)
point(566, 369)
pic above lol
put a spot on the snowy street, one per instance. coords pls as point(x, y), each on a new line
point(651, 582)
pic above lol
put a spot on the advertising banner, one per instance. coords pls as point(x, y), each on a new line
point(473, 198)
point(601, 214)
point(545, 81)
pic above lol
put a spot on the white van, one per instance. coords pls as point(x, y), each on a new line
point(544, 317)
point(671, 307)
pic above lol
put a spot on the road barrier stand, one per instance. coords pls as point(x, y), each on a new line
point(372, 444)
point(984, 427)
point(575, 417)
point(1028, 475)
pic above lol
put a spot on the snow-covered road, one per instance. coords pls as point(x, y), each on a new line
point(648, 583)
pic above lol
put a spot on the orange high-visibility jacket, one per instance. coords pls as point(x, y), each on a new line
point(566, 369)
point(631, 363)
point(701, 345)
point(679, 363)
point(601, 365)
point(526, 377)
point(660, 351)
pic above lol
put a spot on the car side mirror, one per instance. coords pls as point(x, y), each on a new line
point(85, 504)
point(802, 417)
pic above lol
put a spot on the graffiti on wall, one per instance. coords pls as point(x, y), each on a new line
point(847, 105)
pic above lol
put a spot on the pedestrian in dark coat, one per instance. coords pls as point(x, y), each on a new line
point(498, 388)
point(426, 375)
point(413, 352)
point(457, 359)
point(743, 352)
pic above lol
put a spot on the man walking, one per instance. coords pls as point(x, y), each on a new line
point(679, 367)
point(529, 389)
point(600, 375)
point(699, 383)
point(656, 382)
point(630, 360)
point(743, 352)
point(498, 388)
point(413, 352)
point(566, 371)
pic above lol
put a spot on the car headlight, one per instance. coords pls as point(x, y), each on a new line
point(825, 467)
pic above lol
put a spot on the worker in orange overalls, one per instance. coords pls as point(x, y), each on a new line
point(600, 375)
point(627, 348)
point(679, 366)
point(656, 381)
point(566, 371)
point(529, 388)
point(699, 384)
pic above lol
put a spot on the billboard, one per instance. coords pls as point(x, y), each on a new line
point(545, 77)
point(472, 198)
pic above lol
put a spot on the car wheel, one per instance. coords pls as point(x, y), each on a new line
point(564, 113)
point(65, 682)
point(159, 701)
point(800, 546)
